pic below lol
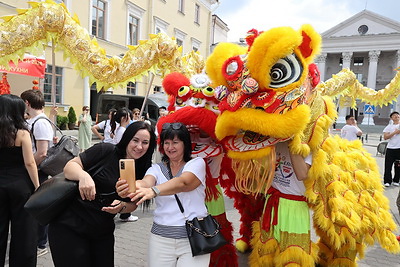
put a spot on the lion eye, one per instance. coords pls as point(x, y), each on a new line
point(184, 90)
point(208, 91)
point(286, 71)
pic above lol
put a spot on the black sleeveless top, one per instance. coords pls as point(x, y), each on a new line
point(11, 157)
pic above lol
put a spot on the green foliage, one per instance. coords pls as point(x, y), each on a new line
point(62, 121)
point(71, 115)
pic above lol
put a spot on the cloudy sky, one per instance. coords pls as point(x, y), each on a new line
point(243, 15)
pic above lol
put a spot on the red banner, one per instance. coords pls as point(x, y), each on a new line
point(30, 66)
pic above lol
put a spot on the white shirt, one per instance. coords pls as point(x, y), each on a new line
point(118, 134)
point(107, 131)
point(393, 142)
point(285, 179)
point(167, 211)
point(42, 131)
point(349, 132)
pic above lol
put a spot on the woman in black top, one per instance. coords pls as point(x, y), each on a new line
point(18, 180)
point(84, 234)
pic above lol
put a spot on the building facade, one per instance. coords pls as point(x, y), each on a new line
point(116, 24)
point(369, 45)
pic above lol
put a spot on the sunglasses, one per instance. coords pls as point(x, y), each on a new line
point(175, 125)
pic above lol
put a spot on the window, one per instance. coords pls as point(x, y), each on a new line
point(133, 30)
point(48, 78)
point(131, 88)
point(181, 7)
point(358, 61)
point(98, 18)
point(195, 44)
point(197, 14)
point(160, 26)
point(157, 89)
point(179, 42)
point(180, 37)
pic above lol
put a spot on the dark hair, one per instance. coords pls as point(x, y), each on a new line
point(117, 116)
point(394, 112)
point(162, 107)
point(12, 109)
point(348, 117)
point(84, 108)
point(34, 97)
point(143, 163)
point(170, 132)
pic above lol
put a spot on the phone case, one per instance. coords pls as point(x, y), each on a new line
point(127, 172)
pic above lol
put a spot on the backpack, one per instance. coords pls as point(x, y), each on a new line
point(58, 155)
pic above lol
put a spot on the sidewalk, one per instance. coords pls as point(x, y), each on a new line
point(131, 237)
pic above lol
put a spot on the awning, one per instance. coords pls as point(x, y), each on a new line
point(31, 66)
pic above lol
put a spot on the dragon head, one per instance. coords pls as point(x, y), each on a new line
point(264, 91)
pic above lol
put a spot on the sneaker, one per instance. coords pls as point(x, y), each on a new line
point(130, 219)
point(42, 251)
point(386, 184)
point(396, 184)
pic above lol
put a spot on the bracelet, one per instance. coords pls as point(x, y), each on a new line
point(123, 207)
point(156, 191)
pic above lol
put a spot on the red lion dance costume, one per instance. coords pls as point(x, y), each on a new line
point(192, 102)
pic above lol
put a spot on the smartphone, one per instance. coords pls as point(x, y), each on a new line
point(127, 173)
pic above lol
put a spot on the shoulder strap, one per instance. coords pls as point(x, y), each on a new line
point(33, 125)
point(167, 172)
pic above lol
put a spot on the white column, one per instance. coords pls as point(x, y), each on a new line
point(86, 92)
point(321, 62)
point(397, 65)
point(346, 64)
point(371, 82)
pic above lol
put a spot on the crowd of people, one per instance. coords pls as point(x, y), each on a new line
point(83, 235)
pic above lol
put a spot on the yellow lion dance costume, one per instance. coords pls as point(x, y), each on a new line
point(268, 96)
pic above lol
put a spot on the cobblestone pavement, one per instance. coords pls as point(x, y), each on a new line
point(132, 237)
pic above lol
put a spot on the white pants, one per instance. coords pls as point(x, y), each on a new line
point(169, 252)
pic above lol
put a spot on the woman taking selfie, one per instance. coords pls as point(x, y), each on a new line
point(177, 174)
point(84, 234)
point(18, 180)
point(85, 132)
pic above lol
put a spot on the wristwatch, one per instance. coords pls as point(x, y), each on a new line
point(155, 190)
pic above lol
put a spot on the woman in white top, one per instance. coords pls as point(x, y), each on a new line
point(392, 134)
point(121, 118)
point(106, 126)
point(169, 244)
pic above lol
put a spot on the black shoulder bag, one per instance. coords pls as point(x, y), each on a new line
point(59, 154)
point(54, 195)
point(204, 233)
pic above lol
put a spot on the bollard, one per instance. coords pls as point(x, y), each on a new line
point(380, 138)
point(362, 139)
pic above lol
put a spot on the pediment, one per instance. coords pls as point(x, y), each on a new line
point(363, 23)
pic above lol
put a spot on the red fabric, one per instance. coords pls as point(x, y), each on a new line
point(226, 255)
point(273, 202)
point(204, 118)
point(30, 66)
point(305, 47)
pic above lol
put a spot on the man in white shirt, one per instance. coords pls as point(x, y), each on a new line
point(350, 131)
point(42, 139)
point(391, 133)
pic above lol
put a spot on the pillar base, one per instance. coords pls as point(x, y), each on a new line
point(368, 120)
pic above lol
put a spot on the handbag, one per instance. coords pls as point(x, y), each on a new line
point(51, 198)
point(203, 233)
point(54, 195)
point(58, 155)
